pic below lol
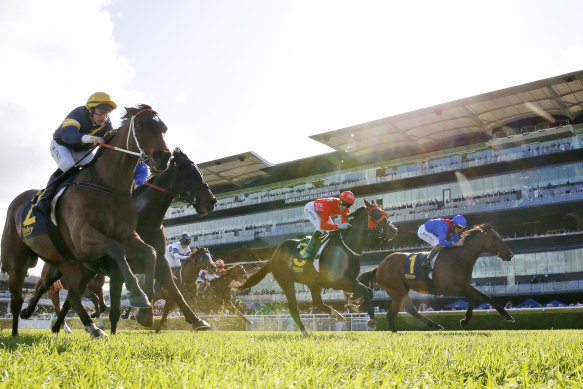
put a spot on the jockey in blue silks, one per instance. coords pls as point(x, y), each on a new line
point(441, 233)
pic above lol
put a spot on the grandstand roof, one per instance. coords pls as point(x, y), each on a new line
point(234, 171)
point(461, 122)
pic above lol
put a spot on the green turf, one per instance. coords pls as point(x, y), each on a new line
point(142, 359)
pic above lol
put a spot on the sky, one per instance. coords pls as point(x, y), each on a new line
point(231, 76)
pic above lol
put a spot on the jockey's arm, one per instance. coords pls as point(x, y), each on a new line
point(324, 224)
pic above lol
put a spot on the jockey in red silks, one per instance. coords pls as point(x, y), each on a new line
point(320, 213)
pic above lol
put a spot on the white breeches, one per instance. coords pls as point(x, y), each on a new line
point(427, 236)
point(314, 217)
point(67, 158)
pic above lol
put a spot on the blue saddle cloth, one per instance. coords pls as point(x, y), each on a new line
point(412, 267)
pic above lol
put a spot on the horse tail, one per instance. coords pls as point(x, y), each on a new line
point(368, 278)
point(256, 277)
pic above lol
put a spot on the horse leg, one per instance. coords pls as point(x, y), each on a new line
point(396, 304)
point(45, 285)
point(77, 283)
point(117, 252)
point(164, 276)
point(411, 310)
point(316, 292)
point(168, 306)
point(136, 248)
point(61, 314)
point(97, 314)
point(355, 286)
point(292, 303)
point(475, 296)
point(115, 286)
point(15, 284)
point(464, 322)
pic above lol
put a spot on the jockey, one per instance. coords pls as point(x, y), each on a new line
point(441, 233)
point(320, 214)
point(71, 145)
point(178, 252)
point(220, 266)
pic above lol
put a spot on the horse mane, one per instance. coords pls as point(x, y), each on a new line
point(354, 214)
point(127, 115)
point(469, 234)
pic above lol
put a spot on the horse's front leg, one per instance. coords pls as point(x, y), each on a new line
point(77, 281)
point(355, 286)
point(164, 276)
point(115, 286)
point(136, 248)
point(93, 241)
point(476, 297)
point(50, 278)
point(316, 292)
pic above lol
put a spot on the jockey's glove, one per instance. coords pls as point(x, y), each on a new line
point(91, 139)
point(343, 226)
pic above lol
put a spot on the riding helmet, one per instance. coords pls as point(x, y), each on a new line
point(347, 196)
point(460, 221)
point(185, 239)
point(102, 101)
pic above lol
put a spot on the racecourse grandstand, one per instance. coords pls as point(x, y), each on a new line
point(510, 158)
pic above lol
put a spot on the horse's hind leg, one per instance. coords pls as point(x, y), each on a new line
point(15, 284)
point(410, 308)
point(316, 292)
point(97, 314)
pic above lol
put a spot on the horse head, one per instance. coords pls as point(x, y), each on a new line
point(491, 241)
point(142, 132)
point(237, 276)
point(189, 185)
point(202, 258)
point(378, 220)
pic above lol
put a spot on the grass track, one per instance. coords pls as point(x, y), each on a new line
point(142, 359)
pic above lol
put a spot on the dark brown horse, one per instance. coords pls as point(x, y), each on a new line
point(96, 217)
point(94, 292)
point(183, 182)
point(339, 263)
point(216, 297)
point(452, 275)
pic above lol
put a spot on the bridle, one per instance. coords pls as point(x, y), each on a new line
point(132, 130)
point(372, 225)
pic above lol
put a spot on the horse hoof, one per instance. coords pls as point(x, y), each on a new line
point(305, 333)
point(98, 333)
point(372, 324)
point(145, 317)
point(200, 325)
point(510, 318)
point(439, 327)
point(24, 314)
point(94, 315)
point(463, 323)
point(139, 301)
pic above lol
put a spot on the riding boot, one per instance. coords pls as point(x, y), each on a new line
point(427, 264)
point(313, 245)
point(43, 204)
